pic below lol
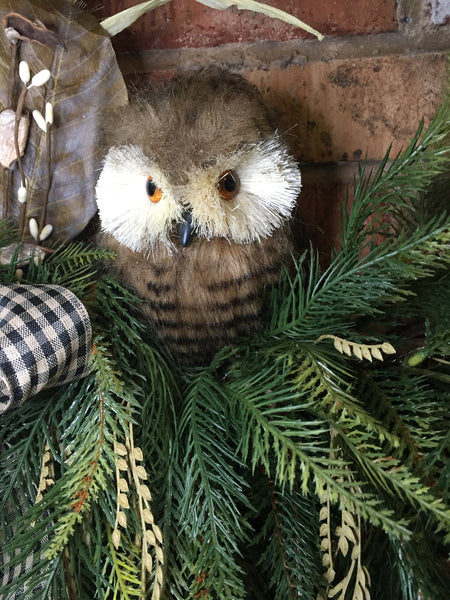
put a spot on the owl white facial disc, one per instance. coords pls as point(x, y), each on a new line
point(255, 193)
point(243, 197)
point(135, 206)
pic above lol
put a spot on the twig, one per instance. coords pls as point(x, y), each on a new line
point(19, 109)
point(48, 139)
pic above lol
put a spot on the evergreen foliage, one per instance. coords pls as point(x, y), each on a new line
point(309, 462)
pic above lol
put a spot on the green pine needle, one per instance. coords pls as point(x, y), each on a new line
point(242, 454)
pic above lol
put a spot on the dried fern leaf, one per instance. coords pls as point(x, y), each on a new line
point(361, 351)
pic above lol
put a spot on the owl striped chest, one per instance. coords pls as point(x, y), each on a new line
point(206, 296)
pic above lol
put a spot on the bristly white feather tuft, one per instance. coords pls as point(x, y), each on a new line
point(124, 207)
point(270, 183)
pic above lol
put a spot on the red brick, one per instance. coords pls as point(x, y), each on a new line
point(346, 108)
point(187, 23)
point(319, 205)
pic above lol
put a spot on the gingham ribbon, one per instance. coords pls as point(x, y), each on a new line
point(45, 340)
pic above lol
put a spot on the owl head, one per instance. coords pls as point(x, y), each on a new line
point(197, 159)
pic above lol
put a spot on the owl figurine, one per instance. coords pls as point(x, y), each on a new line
point(195, 196)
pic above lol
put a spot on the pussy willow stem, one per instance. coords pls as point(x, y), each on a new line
point(19, 109)
point(9, 102)
point(48, 140)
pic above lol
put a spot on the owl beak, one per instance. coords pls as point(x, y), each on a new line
point(185, 229)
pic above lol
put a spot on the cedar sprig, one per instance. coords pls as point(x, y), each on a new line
point(125, 576)
point(89, 470)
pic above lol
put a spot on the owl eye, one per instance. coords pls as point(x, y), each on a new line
point(228, 185)
point(153, 192)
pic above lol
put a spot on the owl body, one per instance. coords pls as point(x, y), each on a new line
point(209, 297)
point(195, 197)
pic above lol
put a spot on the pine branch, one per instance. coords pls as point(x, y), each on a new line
point(413, 247)
point(291, 564)
point(313, 304)
point(70, 265)
point(210, 497)
point(392, 190)
point(283, 422)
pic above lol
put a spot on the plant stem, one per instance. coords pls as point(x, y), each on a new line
point(48, 139)
point(19, 109)
point(9, 102)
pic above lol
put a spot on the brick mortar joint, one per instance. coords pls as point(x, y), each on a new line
point(343, 172)
point(278, 54)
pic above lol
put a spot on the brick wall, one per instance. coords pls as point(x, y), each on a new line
point(380, 69)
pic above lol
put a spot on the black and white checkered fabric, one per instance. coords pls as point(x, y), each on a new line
point(45, 340)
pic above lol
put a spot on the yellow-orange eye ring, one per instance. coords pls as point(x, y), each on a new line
point(229, 185)
point(154, 194)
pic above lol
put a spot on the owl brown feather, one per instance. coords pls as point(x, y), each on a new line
point(191, 120)
point(208, 293)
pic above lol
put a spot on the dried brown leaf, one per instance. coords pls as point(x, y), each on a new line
point(121, 464)
point(323, 513)
point(123, 501)
point(148, 562)
point(150, 537)
point(349, 534)
point(86, 82)
point(122, 484)
point(159, 576)
point(148, 516)
point(325, 544)
point(376, 353)
point(158, 533)
point(343, 545)
point(120, 449)
point(32, 32)
point(326, 559)
point(145, 492)
point(141, 472)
